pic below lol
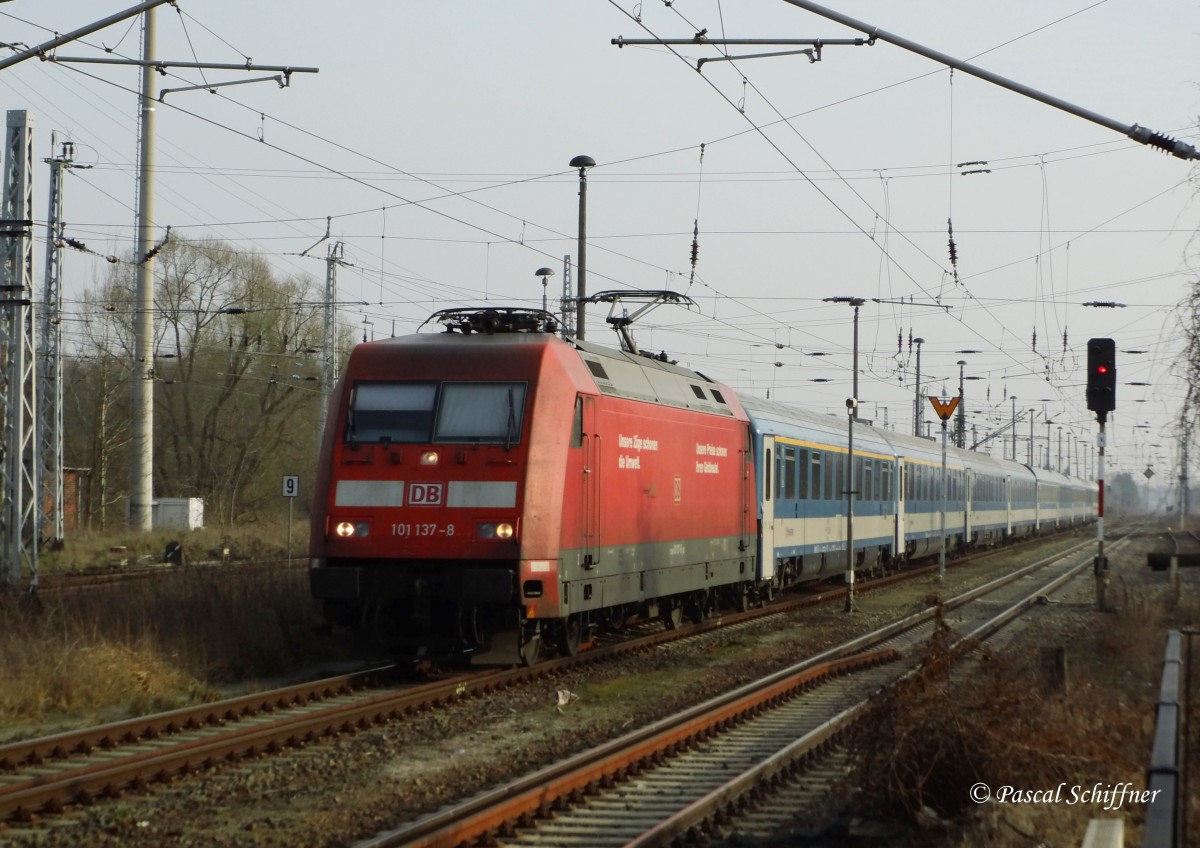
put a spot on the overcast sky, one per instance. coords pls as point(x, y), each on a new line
point(437, 135)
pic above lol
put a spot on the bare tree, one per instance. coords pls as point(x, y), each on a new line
point(1188, 366)
point(96, 392)
point(235, 390)
point(228, 404)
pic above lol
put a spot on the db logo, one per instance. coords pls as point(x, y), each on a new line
point(426, 494)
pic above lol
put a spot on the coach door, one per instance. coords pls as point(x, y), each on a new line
point(766, 554)
point(900, 548)
point(749, 499)
point(590, 543)
point(968, 492)
point(1008, 500)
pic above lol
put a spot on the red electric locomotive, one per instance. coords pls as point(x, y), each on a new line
point(493, 486)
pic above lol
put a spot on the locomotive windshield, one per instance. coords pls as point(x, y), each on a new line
point(421, 413)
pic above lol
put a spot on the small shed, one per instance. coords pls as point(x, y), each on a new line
point(177, 514)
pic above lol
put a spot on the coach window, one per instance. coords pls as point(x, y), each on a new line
point(827, 486)
point(815, 492)
point(789, 473)
point(480, 412)
point(802, 467)
point(391, 412)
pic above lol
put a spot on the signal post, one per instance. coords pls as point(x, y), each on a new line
point(1101, 399)
point(944, 410)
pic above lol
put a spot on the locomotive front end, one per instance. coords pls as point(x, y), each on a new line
point(420, 548)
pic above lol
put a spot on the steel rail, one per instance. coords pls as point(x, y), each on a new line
point(107, 736)
point(525, 799)
point(726, 796)
point(535, 794)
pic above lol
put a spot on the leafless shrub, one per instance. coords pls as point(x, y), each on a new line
point(929, 739)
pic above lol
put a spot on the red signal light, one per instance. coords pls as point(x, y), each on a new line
point(1102, 376)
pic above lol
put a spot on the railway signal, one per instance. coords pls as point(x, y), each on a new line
point(1101, 399)
point(1101, 377)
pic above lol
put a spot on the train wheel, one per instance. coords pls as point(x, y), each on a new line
point(672, 615)
point(612, 619)
point(530, 642)
point(569, 636)
point(698, 608)
point(469, 632)
point(379, 628)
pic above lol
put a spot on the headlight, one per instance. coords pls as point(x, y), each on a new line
point(353, 529)
point(494, 530)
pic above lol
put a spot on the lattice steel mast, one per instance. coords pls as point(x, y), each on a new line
point(329, 357)
point(50, 383)
point(18, 385)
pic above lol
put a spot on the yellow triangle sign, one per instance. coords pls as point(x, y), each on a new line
point(944, 410)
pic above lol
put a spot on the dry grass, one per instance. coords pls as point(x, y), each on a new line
point(133, 647)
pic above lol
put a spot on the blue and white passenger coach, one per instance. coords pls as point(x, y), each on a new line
point(803, 473)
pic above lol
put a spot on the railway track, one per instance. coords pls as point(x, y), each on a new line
point(674, 780)
point(1182, 550)
point(44, 776)
point(62, 582)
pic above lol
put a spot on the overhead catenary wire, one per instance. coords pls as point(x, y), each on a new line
point(383, 242)
point(756, 127)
